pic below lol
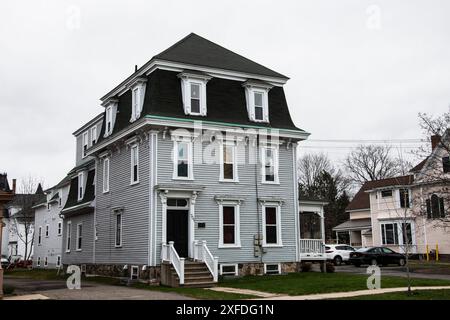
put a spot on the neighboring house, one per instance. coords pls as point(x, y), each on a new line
point(180, 173)
point(6, 195)
point(20, 224)
point(413, 208)
point(49, 226)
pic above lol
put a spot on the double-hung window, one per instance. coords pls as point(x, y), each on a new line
point(389, 233)
point(93, 135)
point(136, 98)
point(195, 98)
point(68, 236)
point(109, 116)
point(193, 90)
point(183, 160)
point(257, 98)
point(118, 230)
point(258, 105)
point(106, 175)
point(229, 225)
point(79, 236)
point(85, 143)
point(228, 163)
point(80, 186)
point(59, 228)
point(271, 225)
point(269, 165)
point(404, 198)
point(134, 164)
point(40, 236)
point(47, 231)
point(435, 207)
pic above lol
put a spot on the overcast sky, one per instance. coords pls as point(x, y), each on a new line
point(358, 69)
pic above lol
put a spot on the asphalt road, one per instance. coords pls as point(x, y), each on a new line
point(56, 289)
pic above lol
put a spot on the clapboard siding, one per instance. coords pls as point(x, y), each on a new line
point(79, 143)
point(207, 210)
point(86, 253)
point(135, 201)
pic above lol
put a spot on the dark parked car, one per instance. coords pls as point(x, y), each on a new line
point(376, 256)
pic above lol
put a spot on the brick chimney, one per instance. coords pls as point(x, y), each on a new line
point(435, 139)
point(14, 186)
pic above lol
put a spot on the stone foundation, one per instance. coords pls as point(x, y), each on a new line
point(247, 269)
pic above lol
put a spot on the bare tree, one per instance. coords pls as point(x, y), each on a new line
point(372, 162)
point(29, 193)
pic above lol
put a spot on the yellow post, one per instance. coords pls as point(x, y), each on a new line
point(428, 254)
point(437, 252)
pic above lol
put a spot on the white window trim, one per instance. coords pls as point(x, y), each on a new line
point(78, 237)
point(80, 184)
point(45, 261)
point(39, 235)
point(60, 228)
point(38, 263)
point(237, 225)
point(399, 232)
point(47, 230)
point(68, 243)
point(93, 135)
point(107, 174)
point(121, 229)
point(276, 165)
point(250, 89)
point(85, 142)
point(186, 80)
point(132, 273)
point(58, 260)
point(132, 148)
point(235, 162)
point(265, 267)
point(137, 106)
point(235, 265)
point(190, 160)
point(278, 213)
point(109, 116)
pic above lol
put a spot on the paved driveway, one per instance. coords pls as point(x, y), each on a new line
point(56, 289)
point(392, 271)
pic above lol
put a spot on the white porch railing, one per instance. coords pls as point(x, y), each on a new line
point(202, 253)
point(312, 249)
point(169, 254)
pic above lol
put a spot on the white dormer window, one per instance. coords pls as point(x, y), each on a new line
point(85, 143)
point(137, 98)
point(93, 135)
point(257, 97)
point(110, 115)
point(80, 186)
point(193, 90)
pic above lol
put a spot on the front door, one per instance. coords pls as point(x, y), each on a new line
point(177, 230)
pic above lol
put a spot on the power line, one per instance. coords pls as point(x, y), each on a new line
point(367, 140)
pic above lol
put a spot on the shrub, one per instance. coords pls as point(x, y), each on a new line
point(330, 267)
point(306, 266)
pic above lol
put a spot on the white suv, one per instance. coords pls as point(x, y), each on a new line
point(338, 253)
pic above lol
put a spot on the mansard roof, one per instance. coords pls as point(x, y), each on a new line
point(73, 206)
point(196, 50)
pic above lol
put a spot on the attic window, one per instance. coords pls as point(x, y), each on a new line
point(137, 97)
point(257, 97)
point(108, 120)
point(446, 164)
point(85, 143)
point(193, 90)
point(386, 193)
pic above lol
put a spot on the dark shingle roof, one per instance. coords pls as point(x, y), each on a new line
point(361, 199)
point(196, 50)
point(419, 166)
point(89, 193)
point(354, 224)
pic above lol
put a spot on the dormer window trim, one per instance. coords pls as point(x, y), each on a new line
point(110, 112)
point(254, 104)
point(193, 88)
point(137, 98)
point(81, 186)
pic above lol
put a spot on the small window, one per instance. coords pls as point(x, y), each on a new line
point(446, 164)
point(259, 106)
point(404, 198)
point(59, 228)
point(39, 261)
point(174, 202)
point(386, 193)
point(47, 230)
point(79, 235)
point(80, 186)
point(40, 236)
point(118, 235)
point(195, 98)
point(45, 261)
point(109, 115)
point(183, 160)
point(271, 225)
point(85, 143)
point(106, 175)
point(272, 268)
point(134, 272)
point(435, 207)
point(228, 165)
point(229, 269)
point(134, 164)
point(389, 233)
point(93, 135)
point(58, 261)
point(270, 165)
point(68, 236)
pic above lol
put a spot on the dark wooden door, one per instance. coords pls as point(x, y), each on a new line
point(177, 230)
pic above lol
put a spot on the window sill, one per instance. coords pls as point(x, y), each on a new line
point(118, 247)
point(105, 192)
point(271, 182)
point(182, 179)
point(67, 251)
point(228, 181)
point(134, 183)
point(272, 245)
point(231, 246)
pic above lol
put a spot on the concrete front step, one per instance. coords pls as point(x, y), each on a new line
point(199, 284)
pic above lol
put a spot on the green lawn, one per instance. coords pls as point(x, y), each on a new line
point(415, 295)
point(314, 282)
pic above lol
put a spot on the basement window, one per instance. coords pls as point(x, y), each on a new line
point(272, 268)
point(386, 193)
point(134, 272)
point(229, 269)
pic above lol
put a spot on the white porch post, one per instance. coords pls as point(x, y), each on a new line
point(163, 196)
point(322, 224)
point(191, 235)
